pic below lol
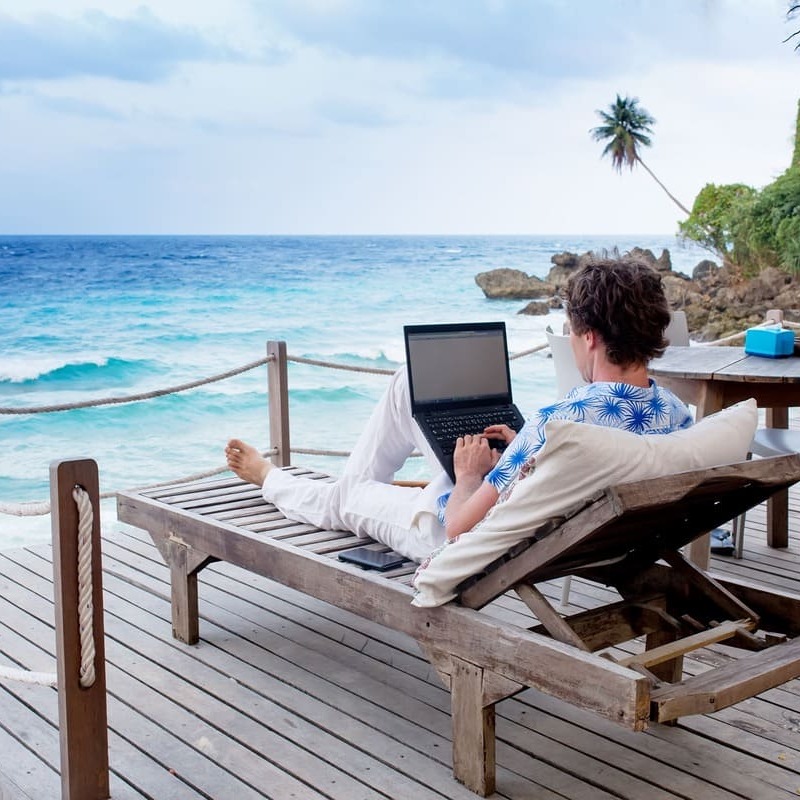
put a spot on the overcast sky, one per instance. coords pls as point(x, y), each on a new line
point(380, 116)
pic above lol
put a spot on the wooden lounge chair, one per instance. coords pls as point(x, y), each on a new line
point(627, 536)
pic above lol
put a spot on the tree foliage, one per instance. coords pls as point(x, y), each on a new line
point(715, 219)
point(752, 229)
point(775, 223)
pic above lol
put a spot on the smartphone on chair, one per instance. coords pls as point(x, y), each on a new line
point(369, 558)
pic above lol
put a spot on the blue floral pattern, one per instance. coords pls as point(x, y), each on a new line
point(649, 410)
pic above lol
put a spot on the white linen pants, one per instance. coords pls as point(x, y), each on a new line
point(363, 500)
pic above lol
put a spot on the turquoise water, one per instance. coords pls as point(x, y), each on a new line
point(93, 317)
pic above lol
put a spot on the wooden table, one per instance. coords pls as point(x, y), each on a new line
point(713, 377)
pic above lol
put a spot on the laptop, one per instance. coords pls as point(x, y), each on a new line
point(460, 383)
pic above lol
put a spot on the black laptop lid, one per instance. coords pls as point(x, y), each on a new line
point(457, 365)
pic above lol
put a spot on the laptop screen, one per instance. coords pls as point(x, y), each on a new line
point(458, 364)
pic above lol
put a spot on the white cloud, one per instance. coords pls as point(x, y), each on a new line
point(382, 117)
point(136, 48)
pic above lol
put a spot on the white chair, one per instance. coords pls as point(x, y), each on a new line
point(677, 332)
point(568, 376)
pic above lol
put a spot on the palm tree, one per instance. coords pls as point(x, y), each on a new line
point(626, 126)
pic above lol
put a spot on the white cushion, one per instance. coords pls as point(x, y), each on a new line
point(576, 461)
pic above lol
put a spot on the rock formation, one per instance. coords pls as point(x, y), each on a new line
point(717, 301)
point(513, 284)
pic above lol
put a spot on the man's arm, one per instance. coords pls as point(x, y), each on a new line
point(472, 497)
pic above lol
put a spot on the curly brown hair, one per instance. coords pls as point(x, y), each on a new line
point(621, 299)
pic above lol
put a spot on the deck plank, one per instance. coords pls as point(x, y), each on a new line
point(172, 684)
point(262, 610)
point(287, 696)
point(141, 713)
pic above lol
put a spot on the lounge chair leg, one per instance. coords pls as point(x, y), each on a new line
point(184, 563)
point(670, 671)
point(185, 614)
point(473, 729)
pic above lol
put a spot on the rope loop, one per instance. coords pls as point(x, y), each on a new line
point(85, 603)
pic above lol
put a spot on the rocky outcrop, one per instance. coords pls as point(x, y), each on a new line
point(717, 301)
point(535, 308)
point(513, 284)
point(720, 302)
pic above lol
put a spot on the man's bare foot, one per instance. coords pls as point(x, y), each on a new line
point(247, 462)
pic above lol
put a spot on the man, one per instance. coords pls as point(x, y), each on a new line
point(617, 313)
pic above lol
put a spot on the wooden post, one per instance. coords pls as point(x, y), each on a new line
point(774, 315)
point(778, 504)
point(83, 726)
point(278, 389)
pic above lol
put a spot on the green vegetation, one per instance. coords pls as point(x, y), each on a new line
point(748, 229)
point(751, 229)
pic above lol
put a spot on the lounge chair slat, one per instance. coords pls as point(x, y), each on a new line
point(724, 686)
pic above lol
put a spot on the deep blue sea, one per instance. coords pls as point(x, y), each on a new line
point(85, 317)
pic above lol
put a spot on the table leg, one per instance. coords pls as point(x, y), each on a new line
point(709, 401)
point(778, 504)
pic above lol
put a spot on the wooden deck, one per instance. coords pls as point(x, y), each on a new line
point(289, 697)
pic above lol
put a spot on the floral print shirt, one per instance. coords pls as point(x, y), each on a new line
point(615, 405)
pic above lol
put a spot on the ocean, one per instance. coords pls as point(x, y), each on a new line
point(88, 317)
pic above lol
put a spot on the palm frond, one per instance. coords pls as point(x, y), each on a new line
point(793, 9)
point(626, 126)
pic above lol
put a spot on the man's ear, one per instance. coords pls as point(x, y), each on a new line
point(591, 338)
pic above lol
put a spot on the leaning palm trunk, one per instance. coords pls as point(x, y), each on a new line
point(722, 255)
point(669, 194)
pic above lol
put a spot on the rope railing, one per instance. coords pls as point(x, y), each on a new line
point(28, 676)
point(34, 508)
point(133, 398)
point(40, 508)
point(532, 350)
point(346, 367)
point(741, 334)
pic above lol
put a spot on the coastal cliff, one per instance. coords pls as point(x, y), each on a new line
point(717, 300)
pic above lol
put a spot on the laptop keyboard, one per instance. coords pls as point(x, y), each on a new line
point(448, 428)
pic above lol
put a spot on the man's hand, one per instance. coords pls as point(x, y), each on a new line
point(471, 497)
point(500, 432)
point(473, 458)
